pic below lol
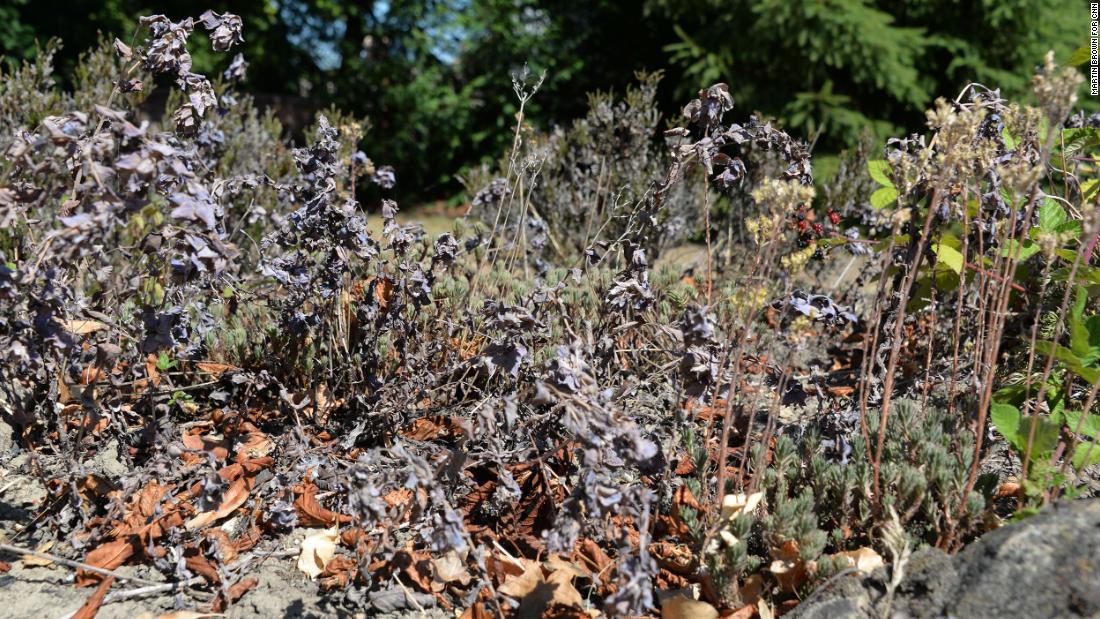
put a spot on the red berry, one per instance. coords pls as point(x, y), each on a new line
point(834, 217)
point(818, 228)
point(803, 225)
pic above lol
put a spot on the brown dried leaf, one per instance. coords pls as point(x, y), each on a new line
point(519, 586)
point(680, 606)
point(216, 368)
point(745, 612)
point(565, 593)
point(234, 497)
point(82, 327)
point(311, 513)
point(107, 556)
point(95, 600)
point(235, 593)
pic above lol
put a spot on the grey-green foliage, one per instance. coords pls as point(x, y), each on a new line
point(592, 174)
point(88, 87)
point(27, 95)
point(827, 504)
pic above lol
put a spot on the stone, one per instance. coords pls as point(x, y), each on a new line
point(1045, 566)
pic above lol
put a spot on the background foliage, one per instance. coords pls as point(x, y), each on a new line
point(433, 77)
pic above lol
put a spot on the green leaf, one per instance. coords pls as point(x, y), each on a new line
point(164, 363)
point(1079, 341)
point(1080, 56)
point(1092, 327)
point(1051, 215)
point(1090, 188)
point(1016, 428)
point(1072, 362)
point(1071, 227)
point(1006, 418)
point(1024, 514)
point(1085, 455)
point(1028, 250)
point(880, 171)
point(949, 256)
point(883, 197)
point(1090, 427)
point(1010, 142)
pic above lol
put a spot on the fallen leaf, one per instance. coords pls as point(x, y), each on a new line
point(225, 598)
point(565, 593)
point(519, 586)
point(752, 588)
point(83, 327)
point(864, 559)
point(555, 563)
point(450, 568)
point(94, 601)
point(338, 573)
point(736, 504)
point(36, 561)
point(311, 512)
point(203, 567)
point(216, 368)
point(536, 592)
point(594, 559)
point(680, 606)
point(789, 569)
point(764, 610)
point(107, 556)
point(233, 498)
point(317, 550)
point(1007, 489)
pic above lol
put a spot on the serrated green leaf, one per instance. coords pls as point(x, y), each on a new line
point(1090, 427)
point(1028, 250)
point(1051, 215)
point(1071, 228)
point(883, 197)
point(880, 172)
point(1089, 189)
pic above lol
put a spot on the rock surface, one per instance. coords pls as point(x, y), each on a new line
point(1045, 566)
